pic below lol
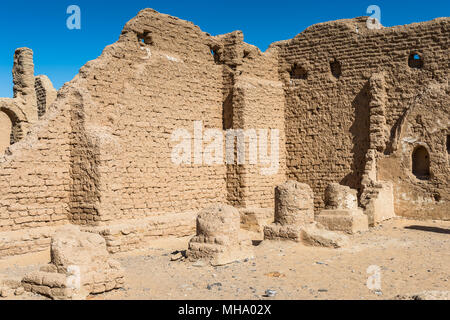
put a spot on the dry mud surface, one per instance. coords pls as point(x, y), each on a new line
point(414, 256)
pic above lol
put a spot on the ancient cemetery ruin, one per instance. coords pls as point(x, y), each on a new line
point(342, 127)
point(294, 209)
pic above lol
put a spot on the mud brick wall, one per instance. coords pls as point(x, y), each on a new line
point(159, 77)
point(260, 98)
point(30, 240)
point(327, 122)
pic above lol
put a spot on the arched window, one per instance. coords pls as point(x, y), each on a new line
point(421, 163)
point(6, 127)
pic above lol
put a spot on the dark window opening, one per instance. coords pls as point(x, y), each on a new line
point(415, 61)
point(336, 68)
point(246, 54)
point(421, 163)
point(146, 38)
point(298, 72)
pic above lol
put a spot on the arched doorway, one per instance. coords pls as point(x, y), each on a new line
point(6, 127)
point(421, 163)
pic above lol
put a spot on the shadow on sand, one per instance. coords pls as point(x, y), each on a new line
point(429, 229)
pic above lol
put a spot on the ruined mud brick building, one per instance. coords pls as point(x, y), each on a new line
point(366, 108)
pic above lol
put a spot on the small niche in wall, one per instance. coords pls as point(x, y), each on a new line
point(298, 72)
point(415, 61)
point(421, 163)
point(336, 68)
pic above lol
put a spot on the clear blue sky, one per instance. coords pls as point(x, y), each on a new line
point(60, 52)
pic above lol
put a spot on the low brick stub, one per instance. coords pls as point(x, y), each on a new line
point(342, 212)
point(349, 221)
point(294, 208)
point(218, 240)
point(80, 265)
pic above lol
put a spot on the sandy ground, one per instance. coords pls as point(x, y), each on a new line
point(414, 256)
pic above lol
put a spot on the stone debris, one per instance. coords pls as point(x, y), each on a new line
point(80, 266)
point(177, 256)
point(342, 212)
point(6, 292)
point(10, 287)
point(19, 291)
point(199, 264)
point(217, 285)
point(426, 295)
point(270, 293)
point(275, 275)
point(218, 240)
